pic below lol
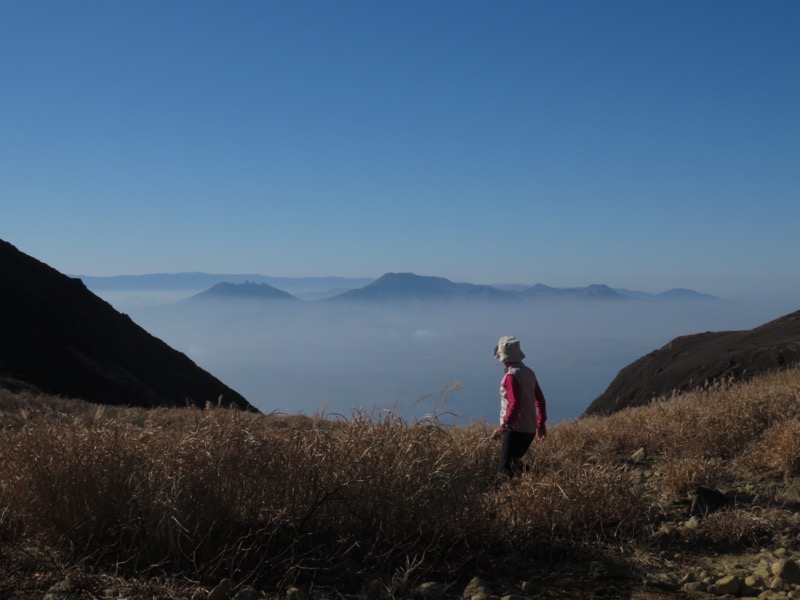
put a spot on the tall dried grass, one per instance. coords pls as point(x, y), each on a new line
point(262, 498)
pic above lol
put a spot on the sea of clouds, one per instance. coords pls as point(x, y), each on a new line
point(318, 357)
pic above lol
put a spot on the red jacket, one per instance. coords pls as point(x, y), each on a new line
point(522, 403)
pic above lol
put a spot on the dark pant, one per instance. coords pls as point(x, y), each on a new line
point(515, 445)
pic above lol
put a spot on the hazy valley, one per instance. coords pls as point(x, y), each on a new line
point(400, 351)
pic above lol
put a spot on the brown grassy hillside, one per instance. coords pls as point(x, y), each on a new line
point(167, 503)
point(696, 361)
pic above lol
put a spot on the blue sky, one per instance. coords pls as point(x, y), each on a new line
point(645, 145)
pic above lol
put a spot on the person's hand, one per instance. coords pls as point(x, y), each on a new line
point(541, 432)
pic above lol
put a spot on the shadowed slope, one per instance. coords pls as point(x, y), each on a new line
point(60, 338)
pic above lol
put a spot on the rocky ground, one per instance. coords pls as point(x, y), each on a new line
point(765, 573)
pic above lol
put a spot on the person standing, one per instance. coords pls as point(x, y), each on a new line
point(523, 410)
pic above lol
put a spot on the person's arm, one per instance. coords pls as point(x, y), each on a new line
point(541, 413)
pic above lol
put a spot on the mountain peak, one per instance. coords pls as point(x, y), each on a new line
point(600, 290)
point(246, 290)
point(595, 291)
point(685, 294)
point(410, 288)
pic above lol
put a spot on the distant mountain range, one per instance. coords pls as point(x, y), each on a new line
point(57, 337)
point(301, 287)
point(692, 361)
point(393, 288)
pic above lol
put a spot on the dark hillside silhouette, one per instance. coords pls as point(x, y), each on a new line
point(692, 361)
point(58, 337)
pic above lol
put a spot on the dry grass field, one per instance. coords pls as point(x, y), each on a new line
point(167, 503)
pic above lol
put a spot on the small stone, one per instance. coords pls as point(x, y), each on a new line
point(246, 593)
point(695, 586)
point(777, 584)
point(763, 570)
point(704, 574)
point(788, 570)
point(688, 578)
point(295, 593)
point(528, 587)
point(730, 584)
point(431, 589)
point(754, 581)
point(222, 591)
point(476, 586)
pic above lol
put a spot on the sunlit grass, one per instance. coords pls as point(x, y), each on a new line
point(274, 500)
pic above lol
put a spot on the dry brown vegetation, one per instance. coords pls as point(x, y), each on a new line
point(270, 501)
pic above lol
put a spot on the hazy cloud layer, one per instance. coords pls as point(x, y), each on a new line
point(311, 357)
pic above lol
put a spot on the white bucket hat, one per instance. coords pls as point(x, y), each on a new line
point(508, 350)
